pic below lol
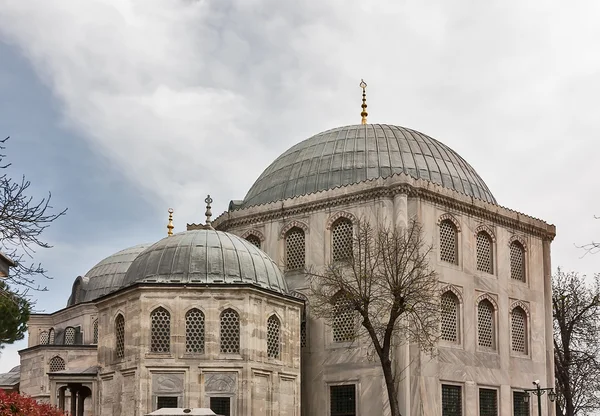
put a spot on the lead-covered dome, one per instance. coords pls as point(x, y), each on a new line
point(353, 154)
point(205, 256)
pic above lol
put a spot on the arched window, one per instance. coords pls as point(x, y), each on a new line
point(448, 242)
point(120, 336)
point(51, 336)
point(95, 331)
point(56, 364)
point(160, 330)
point(230, 332)
point(341, 239)
point(254, 240)
point(518, 328)
point(343, 325)
point(485, 324)
point(450, 317)
point(484, 253)
point(194, 331)
point(43, 337)
point(517, 261)
point(69, 335)
point(295, 249)
point(273, 337)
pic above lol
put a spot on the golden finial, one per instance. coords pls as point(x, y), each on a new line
point(170, 224)
point(364, 113)
point(208, 214)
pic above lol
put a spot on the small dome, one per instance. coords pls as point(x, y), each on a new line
point(357, 153)
point(205, 256)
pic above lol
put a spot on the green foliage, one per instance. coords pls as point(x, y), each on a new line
point(14, 313)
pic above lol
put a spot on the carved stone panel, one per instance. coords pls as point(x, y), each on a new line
point(220, 383)
point(170, 384)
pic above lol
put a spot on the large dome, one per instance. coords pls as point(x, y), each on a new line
point(353, 154)
point(205, 256)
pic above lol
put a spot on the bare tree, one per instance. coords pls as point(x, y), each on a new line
point(22, 221)
point(576, 311)
point(388, 284)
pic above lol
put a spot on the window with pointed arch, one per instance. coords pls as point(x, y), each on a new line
point(230, 332)
point(254, 240)
point(56, 364)
point(450, 317)
point(160, 330)
point(486, 325)
point(43, 337)
point(95, 331)
point(69, 335)
point(51, 336)
point(295, 249)
point(343, 325)
point(517, 261)
point(273, 337)
point(341, 239)
point(448, 242)
point(484, 253)
point(194, 331)
point(120, 336)
point(518, 330)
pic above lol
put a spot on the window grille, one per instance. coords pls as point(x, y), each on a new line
point(451, 400)
point(57, 364)
point(341, 239)
point(160, 330)
point(342, 400)
point(449, 318)
point(519, 330)
point(51, 336)
point(273, 335)
point(221, 405)
point(70, 336)
point(295, 249)
point(95, 330)
point(254, 240)
point(44, 337)
point(485, 324)
point(517, 261)
point(488, 402)
point(343, 320)
point(484, 253)
point(120, 336)
point(194, 331)
point(303, 334)
point(448, 242)
point(168, 402)
point(520, 407)
point(230, 332)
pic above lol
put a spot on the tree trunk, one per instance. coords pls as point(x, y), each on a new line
point(386, 365)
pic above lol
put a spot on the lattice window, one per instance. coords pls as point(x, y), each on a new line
point(169, 402)
point(488, 402)
point(44, 337)
point(342, 400)
point(51, 336)
point(449, 318)
point(303, 334)
point(520, 407)
point(230, 332)
point(295, 249)
point(518, 327)
point(254, 240)
point(451, 400)
point(194, 331)
point(57, 364)
point(120, 336)
point(485, 324)
point(160, 329)
point(95, 331)
point(273, 337)
point(70, 336)
point(341, 239)
point(448, 242)
point(221, 405)
point(343, 325)
point(484, 253)
point(517, 261)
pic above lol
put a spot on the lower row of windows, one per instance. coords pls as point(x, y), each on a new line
point(452, 401)
point(219, 405)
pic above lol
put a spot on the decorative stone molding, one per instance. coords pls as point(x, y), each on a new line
point(340, 214)
point(486, 229)
point(488, 297)
point(520, 304)
point(519, 239)
point(291, 225)
point(453, 289)
point(255, 233)
point(167, 383)
point(220, 383)
point(451, 218)
point(299, 295)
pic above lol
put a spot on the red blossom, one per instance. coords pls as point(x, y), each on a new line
point(14, 404)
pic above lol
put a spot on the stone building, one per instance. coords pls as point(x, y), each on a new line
point(206, 318)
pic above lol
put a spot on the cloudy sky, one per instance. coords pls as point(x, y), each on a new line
point(124, 108)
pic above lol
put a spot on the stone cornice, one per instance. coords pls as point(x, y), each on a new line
point(451, 200)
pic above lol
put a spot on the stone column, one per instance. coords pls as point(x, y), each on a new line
point(61, 398)
point(400, 210)
point(80, 402)
point(73, 400)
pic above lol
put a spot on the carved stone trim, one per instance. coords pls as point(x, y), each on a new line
point(519, 304)
point(253, 232)
point(486, 229)
point(340, 214)
point(488, 297)
point(291, 225)
point(519, 239)
point(453, 289)
point(220, 383)
point(299, 295)
point(451, 218)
